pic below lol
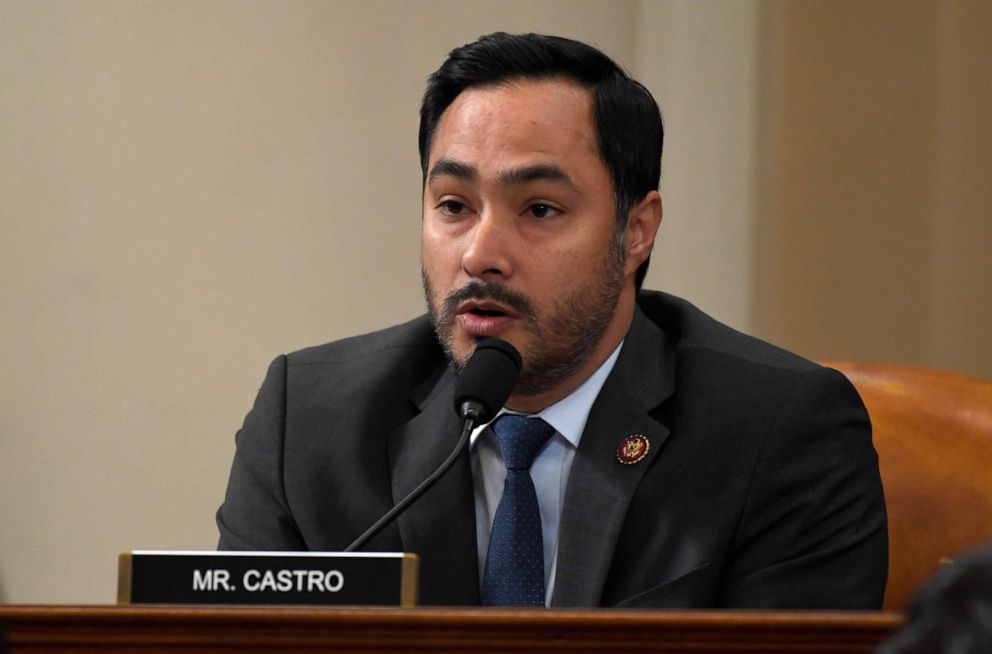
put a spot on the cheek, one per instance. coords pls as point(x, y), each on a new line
point(571, 265)
point(440, 255)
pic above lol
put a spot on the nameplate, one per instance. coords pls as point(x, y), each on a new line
point(177, 577)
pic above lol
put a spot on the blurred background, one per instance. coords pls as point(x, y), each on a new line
point(189, 188)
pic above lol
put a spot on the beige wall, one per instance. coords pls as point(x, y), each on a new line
point(188, 189)
point(875, 220)
point(701, 61)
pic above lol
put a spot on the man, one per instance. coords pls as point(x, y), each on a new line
point(679, 463)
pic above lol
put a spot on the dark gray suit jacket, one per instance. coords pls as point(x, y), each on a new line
point(761, 487)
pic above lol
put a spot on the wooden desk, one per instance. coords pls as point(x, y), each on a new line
point(201, 630)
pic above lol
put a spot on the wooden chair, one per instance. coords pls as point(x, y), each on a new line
point(933, 433)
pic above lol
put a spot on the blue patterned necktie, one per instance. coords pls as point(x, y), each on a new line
point(514, 572)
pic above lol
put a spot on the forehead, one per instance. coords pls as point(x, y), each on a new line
point(538, 118)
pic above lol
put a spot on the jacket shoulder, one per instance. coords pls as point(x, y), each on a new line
point(388, 365)
point(692, 330)
point(414, 338)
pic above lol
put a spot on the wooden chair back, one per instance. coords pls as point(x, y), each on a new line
point(933, 433)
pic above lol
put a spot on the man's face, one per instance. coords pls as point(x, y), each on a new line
point(519, 227)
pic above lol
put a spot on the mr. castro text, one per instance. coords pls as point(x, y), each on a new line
point(279, 581)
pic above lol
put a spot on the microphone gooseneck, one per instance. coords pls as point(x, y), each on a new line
point(481, 390)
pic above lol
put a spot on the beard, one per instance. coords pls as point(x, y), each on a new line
point(562, 336)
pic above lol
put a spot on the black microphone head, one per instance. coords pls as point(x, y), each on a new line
point(487, 380)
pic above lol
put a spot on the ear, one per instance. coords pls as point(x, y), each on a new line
point(643, 222)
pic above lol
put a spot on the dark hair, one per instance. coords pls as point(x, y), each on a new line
point(952, 614)
point(628, 122)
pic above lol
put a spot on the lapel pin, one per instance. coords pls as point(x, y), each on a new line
point(633, 449)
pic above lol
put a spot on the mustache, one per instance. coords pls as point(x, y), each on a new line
point(489, 291)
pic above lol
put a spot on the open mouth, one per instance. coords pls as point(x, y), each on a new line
point(488, 313)
point(485, 309)
point(484, 319)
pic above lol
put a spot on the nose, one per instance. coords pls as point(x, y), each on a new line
point(489, 256)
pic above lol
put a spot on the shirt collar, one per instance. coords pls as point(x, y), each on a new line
point(568, 415)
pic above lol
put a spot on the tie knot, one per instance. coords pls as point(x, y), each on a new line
point(520, 438)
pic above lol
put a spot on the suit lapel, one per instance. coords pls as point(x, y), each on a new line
point(440, 525)
point(599, 486)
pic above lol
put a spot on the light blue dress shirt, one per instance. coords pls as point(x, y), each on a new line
point(549, 471)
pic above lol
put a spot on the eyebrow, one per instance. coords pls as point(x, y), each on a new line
point(535, 173)
point(513, 176)
point(452, 168)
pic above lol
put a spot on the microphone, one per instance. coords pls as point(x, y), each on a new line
point(487, 380)
point(482, 388)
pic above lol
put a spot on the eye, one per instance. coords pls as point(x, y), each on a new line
point(541, 210)
point(452, 207)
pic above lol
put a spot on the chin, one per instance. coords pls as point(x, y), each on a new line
point(461, 345)
point(458, 347)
